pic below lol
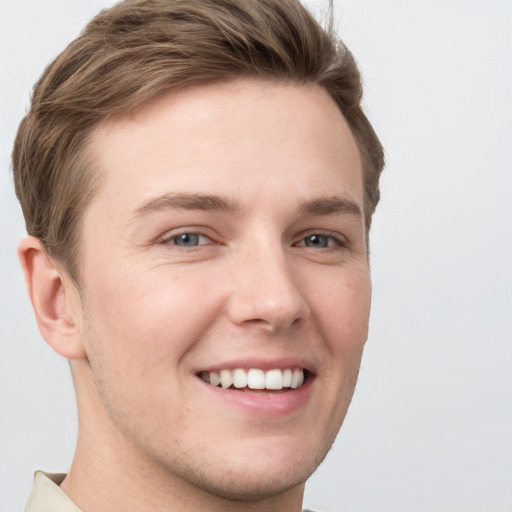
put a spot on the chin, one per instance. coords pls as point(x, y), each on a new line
point(260, 473)
point(253, 484)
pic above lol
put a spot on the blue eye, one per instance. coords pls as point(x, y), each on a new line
point(318, 241)
point(187, 240)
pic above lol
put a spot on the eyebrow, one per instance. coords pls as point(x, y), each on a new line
point(205, 202)
point(330, 206)
point(187, 201)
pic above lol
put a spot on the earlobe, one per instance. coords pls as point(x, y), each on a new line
point(54, 298)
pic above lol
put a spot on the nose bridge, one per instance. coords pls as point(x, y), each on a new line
point(265, 290)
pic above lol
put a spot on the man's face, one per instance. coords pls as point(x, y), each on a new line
point(226, 240)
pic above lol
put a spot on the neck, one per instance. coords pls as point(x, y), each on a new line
point(109, 473)
point(98, 483)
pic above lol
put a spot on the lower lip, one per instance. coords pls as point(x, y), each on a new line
point(263, 403)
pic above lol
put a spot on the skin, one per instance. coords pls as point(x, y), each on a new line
point(255, 290)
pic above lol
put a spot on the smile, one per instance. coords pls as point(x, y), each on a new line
point(255, 378)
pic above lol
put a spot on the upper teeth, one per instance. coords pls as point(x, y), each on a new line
point(254, 378)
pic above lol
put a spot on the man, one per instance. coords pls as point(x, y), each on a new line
point(198, 180)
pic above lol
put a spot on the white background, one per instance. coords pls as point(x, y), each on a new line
point(430, 428)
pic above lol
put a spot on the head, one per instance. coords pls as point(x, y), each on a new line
point(138, 50)
point(200, 178)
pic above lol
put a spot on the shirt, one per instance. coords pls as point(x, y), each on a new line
point(47, 496)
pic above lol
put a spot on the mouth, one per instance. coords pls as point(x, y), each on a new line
point(256, 379)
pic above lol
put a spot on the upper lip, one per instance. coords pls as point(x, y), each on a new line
point(263, 364)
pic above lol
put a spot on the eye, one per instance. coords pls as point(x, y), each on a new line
point(318, 241)
point(188, 240)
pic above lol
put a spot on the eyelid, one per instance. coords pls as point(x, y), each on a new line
point(341, 240)
point(168, 236)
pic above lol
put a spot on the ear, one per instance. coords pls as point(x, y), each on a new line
point(54, 297)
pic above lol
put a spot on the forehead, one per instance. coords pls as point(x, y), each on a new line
point(235, 138)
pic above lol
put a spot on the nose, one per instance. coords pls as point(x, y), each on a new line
point(266, 292)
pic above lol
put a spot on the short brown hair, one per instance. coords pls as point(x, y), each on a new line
point(136, 50)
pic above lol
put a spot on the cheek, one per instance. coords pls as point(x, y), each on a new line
point(342, 316)
point(148, 321)
point(344, 309)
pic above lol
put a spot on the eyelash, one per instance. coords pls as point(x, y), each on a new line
point(174, 237)
point(339, 240)
point(336, 238)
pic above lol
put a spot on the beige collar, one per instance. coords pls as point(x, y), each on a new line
point(47, 496)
